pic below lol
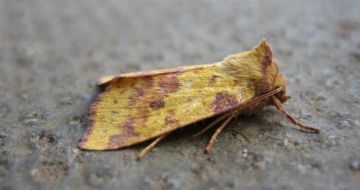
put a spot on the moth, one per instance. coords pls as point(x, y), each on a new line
point(141, 106)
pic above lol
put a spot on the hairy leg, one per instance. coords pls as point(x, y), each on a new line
point(303, 128)
point(216, 134)
point(149, 147)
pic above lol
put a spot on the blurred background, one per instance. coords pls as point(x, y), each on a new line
point(52, 52)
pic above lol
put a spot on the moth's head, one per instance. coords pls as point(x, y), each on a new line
point(271, 78)
point(276, 80)
point(258, 68)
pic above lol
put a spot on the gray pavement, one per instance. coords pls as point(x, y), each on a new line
point(52, 52)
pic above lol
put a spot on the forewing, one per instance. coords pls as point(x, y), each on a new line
point(139, 107)
point(109, 79)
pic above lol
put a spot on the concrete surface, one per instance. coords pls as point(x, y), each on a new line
point(51, 53)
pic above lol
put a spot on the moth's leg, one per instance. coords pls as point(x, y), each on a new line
point(303, 128)
point(216, 121)
point(216, 134)
point(149, 147)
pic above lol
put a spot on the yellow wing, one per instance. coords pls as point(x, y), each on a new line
point(140, 106)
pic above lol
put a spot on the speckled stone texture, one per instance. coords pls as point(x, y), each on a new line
point(52, 52)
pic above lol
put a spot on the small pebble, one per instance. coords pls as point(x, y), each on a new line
point(345, 123)
point(355, 165)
